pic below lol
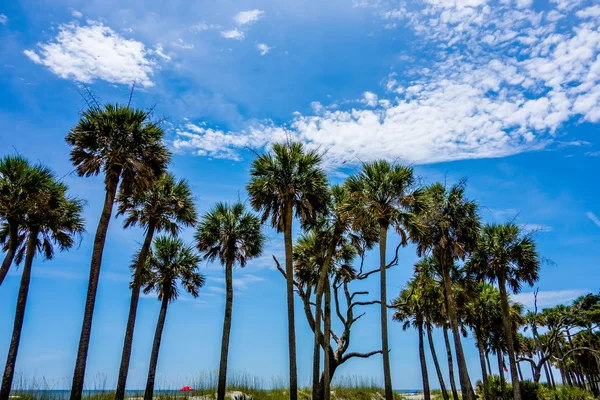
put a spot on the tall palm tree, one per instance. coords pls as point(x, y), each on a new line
point(411, 311)
point(232, 235)
point(54, 221)
point(167, 206)
point(21, 186)
point(123, 144)
point(450, 230)
point(288, 181)
point(506, 256)
point(382, 192)
point(169, 265)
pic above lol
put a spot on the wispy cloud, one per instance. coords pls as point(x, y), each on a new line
point(248, 17)
point(240, 283)
point(94, 51)
point(233, 34)
point(593, 218)
point(76, 14)
point(515, 79)
point(263, 48)
point(534, 228)
point(3, 19)
point(548, 298)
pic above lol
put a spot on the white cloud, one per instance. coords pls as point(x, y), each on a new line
point(183, 45)
point(203, 26)
point(3, 19)
point(263, 48)
point(240, 283)
point(590, 12)
point(548, 298)
point(515, 79)
point(76, 14)
point(233, 34)
point(159, 51)
point(370, 99)
point(91, 52)
point(535, 228)
point(593, 218)
point(248, 17)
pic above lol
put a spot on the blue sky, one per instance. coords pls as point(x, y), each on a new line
point(503, 92)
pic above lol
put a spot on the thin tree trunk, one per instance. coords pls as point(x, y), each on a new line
point(155, 348)
point(424, 375)
point(90, 301)
point(520, 372)
point(463, 373)
point(450, 364)
point(546, 371)
point(484, 374)
point(13, 243)
point(11, 359)
point(501, 372)
point(133, 304)
point(387, 376)
point(437, 364)
point(489, 364)
point(318, 316)
point(326, 395)
point(508, 332)
point(289, 270)
point(549, 369)
point(222, 386)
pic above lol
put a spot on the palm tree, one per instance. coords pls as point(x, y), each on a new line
point(171, 263)
point(506, 256)
point(411, 310)
point(123, 144)
point(450, 228)
point(288, 181)
point(55, 220)
point(232, 235)
point(167, 206)
point(382, 192)
point(21, 186)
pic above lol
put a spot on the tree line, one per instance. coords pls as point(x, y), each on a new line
point(462, 281)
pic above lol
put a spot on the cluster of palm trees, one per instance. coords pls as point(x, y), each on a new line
point(461, 259)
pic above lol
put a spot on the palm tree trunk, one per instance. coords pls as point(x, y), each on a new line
point(484, 375)
point(437, 364)
point(156, 347)
point(112, 182)
point(289, 270)
point(11, 359)
point(318, 316)
point(463, 373)
point(520, 372)
point(549, 372)
point(424, 375)
point(508, 333)
point(222, 385)
point(387, 376)
point(501, 372)
point(487, 360)
point(450, 363)
point(13, 243)
point(133, 304)
point(326, 395)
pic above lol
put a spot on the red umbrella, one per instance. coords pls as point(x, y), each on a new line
point(186, 389)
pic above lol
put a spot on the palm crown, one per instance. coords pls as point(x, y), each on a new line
point(171, 262)
point(502, 250)
point(21, 186)
point(382, 192)
point(290, 174)
point(450, 223)
point(167, 206)
point(230, 233)
point(118, 140)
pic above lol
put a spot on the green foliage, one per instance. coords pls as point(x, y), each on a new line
point(570, 393)
point(494, 389)
point(533, 391)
